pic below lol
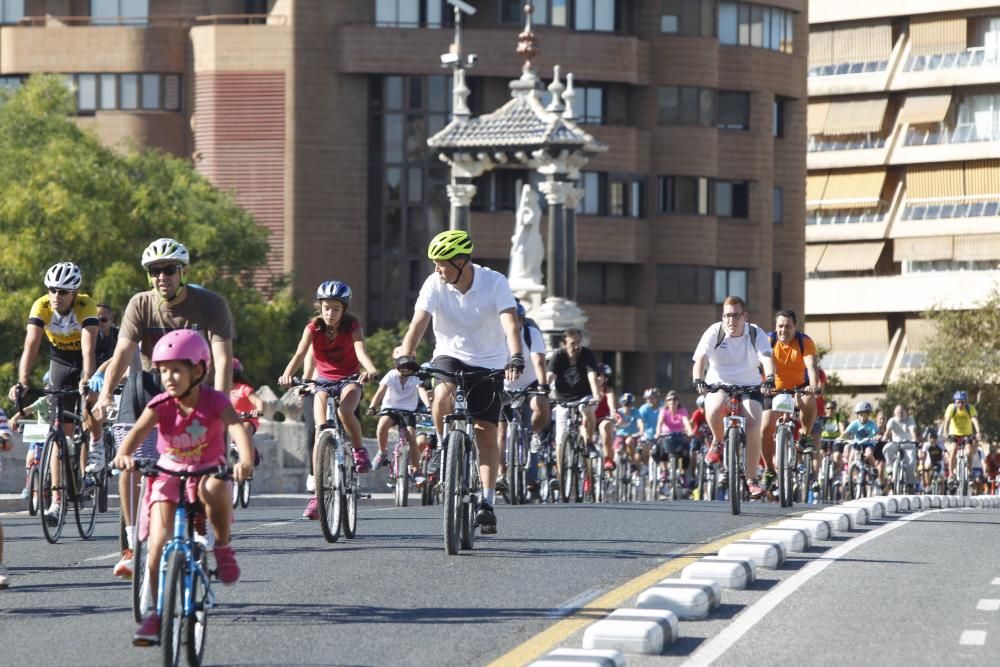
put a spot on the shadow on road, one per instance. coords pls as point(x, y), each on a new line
point(298, 615)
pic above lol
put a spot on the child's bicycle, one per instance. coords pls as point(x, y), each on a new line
point(34, 435)
point(399, 477)
point(241, 490)
point(185, 590)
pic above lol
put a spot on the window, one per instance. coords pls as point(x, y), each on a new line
point(130, 91)
point(119, 12)
point(150, 91)
point(778, 205)
point(746, 24)
point(732, 199)
point(411, 13)
point(684, 194)
point(594, 15)
point(683, 284)
point(693, 18)
point(730, 282)
point(600, 283)
point(589, 104)
point(625, 195)
point(686, 105)
point(109, 91)
point(11, 11)
point(547, 12)
point(172, 92)
point(733, 110)
point(86, 93)
point(777, 302)
point(590, 181)
point(778, 116)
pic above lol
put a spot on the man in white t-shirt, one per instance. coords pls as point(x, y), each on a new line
point(399, 395)
point(734, 350)
point(901, 428)
point(475, 328)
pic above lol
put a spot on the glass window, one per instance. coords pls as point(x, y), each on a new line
point(670, 16)
point(616, 198)
point(734, 110)
point(134, 12)
point(150, 91)
point(744, 28)
point(778, 117)
point(130, 91)
point(385, 12)
point(756, 25)
point(590, 282)
point(119, 12)
point(723, 198)
point(393, 92)
point(172, 92)
point(689, 105)
point(738, 284)
point(559, 12)
point(787, 39)
point(86, 92)
point(11, 11)
point(728, 23)
point(593, 108)
point(706, 107)
point(669, 105)
point(434, 13)
point(109, 91)
point(415, 185)
point(584, 18)
point(778, 205)
point(615, 291)
point(604, 15)
point(636, 199)
point(393, 148)
point(777, 31)
point(591, 194)
point(409, 13)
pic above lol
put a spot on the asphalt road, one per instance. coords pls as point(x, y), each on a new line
point(392, 596)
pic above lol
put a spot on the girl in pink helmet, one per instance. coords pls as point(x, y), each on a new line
point(191, 420)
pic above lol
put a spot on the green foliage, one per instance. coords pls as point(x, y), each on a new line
point(964, 354)
point(380, 345)
point(64, 196)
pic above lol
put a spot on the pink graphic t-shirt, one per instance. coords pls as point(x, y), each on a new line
point(195, 441)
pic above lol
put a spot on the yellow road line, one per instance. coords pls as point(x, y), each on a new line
point(602, 606)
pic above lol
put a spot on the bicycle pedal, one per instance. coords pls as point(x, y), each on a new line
point(488, 529)
point(144, 643)
point(365, 496)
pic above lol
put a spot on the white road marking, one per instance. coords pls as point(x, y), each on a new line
point(988, 605)
point(712, 649)
point(996, 581)
point(574, 603)
point(115, 554)
point(972, 638)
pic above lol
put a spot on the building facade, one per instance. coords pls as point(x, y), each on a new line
point(316, 115)
point(904, 177)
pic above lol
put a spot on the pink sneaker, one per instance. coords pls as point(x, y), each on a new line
point(225, 565)
point(361, 462)
point(714, 454)
point(148, 633)
point(312, 509)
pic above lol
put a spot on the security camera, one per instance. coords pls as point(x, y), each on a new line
point(448, 59)
point(463, 6)
point(471, 60)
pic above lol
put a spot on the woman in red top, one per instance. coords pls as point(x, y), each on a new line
point(338, 345)
point(603, 414)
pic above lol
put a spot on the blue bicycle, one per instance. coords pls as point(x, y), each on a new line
point(185, 590)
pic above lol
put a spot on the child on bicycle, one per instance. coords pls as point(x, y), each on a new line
point(191, 420)
point(627, 430)
point(246, 402)
point(338, 346)
point(397, 392)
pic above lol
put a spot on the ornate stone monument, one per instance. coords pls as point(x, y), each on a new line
point(527, 250)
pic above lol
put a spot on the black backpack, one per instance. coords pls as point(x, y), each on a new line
point(801, 337)
point(753, 335)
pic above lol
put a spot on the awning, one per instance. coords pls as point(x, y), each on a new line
point(851, 256)
point(815, 186)
point(855, 116)
point(978, 247)
point(859, 335)
point(862, 43)
point(813, 255)
point(937, 35)
point(982, 177)
point(922, 248)
point(820, 48)
point(816, 117)
point(930, 181)
point(854, 188)
point(919, 333)
point(819, 331)
point(920, 109)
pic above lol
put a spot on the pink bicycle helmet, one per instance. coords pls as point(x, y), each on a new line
point(237, 365)
point(182, 345)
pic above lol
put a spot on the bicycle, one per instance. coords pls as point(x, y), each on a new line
point(735, 441)
point(399, 476)
point(901, 482)
point(517, 444)
point(860, 478)
point(338, 488)
point(462, 485)
point(576, 478)
point(185, 590)
point(961, 483)
point(675, 468)
point(789, 471)
point(430, 463)
point(549, 488)
point(33, 434)
point(241, 490)
point(73, 486)
point(623, 488)
point(830, 489)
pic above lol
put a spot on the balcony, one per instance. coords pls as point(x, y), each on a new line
point(975, 65)
point(841, 152)
point(367, 49)
point(859, 77)
point(949, 215)
point(907, 293)
point(946, 144)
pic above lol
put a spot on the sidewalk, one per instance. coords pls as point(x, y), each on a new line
point(11, 502)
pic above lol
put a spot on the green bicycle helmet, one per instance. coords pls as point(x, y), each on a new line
point(449, 244)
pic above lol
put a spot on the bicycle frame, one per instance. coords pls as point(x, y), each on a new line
point(181, 542)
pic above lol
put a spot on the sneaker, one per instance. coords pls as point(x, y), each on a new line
point(714, 454)
point(592, 452)
point(25, 493)
point(381, 459)
point(755, 489)
point(52, 514)
point(95, 460)
point(805, 445)
point(536, 444)
point(312, 509)
point(123, 568)
point(361, 462)
point(225, 565)
point(770, 480)
point(501, 485)
point(486, 520)
point(609, 464)
point(310, 484)
point(148, 633)
point(4, 581)
point(435, 465)
point(419, 480)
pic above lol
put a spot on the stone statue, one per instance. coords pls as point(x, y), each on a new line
point(526, 251)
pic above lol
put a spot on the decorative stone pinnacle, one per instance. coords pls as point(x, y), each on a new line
point(568, 97)
point(556, 88)
point(527, 41)
point(460, 95)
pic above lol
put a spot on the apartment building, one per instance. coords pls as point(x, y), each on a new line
point(316, 114)
point(904, 176)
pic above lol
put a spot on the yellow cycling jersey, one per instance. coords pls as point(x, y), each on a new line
point(959, 422)
point(64, 331)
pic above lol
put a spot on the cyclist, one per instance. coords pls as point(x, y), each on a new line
point(169, 304)
point(337, 341)
point(863, 430)
point(673, 431)
point(473, 312)
point(931, 456)
point(69, 320)
point(191, 420)
point(961, 422)
point(397, 392)
point(572, 370)
point(606, 407)
point(649, 412)
point(6, 443)
point(245, 400)
point(733, 350)
point(901, 428)
point(627, 427)
point(794, 354)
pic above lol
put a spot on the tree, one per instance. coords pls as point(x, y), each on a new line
point(964, 354)
point(66, 197)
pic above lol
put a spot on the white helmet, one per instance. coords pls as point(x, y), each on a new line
point(165, 250)
point(64, 275)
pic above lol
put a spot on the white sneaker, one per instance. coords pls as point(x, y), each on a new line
point(207, 541)
point(536, 444)
point(123, 568)
point(4, 581)
point(310, 484)
point(95, 461)
point(52, 513)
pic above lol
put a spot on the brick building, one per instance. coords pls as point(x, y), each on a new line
point(316, 114)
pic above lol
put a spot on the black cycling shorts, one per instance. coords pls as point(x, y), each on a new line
point(62, 376)
point(482, 396)
point(407, 418)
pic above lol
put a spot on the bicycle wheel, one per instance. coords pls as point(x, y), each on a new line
point(401, 488)
point(172, 618)
point(468, 501)
point(510, 459)
point(784, 467)
point(51, 452)
point(195, 625)
point(85, 506)
point(34, 486)
point(349, 498)
point(245, 487)
point(454, 444)
point(804, 479)
point(566, 462)
point(962, 474)
point(234, 458)
point(898, 476)
point(855, 482)
point(734, 467)
point(328, 482)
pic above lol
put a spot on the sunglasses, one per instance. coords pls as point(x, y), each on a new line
point(103, 320)
point(60, 292)
point(165, 270)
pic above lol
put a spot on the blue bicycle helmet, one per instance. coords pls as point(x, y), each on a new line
point(626, 399)
point(334, 289)
point(960, 396)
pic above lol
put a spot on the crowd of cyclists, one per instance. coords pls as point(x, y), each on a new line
point(170, 381)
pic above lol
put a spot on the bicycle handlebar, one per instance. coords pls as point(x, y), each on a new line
point(461, 377)
point(150, 468)
point(732, 389)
